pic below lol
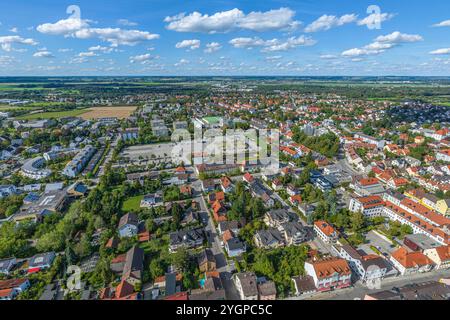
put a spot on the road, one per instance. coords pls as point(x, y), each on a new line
point(224, 267)
point(358, 291)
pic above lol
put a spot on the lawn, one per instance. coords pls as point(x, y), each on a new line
point(132, 204)
point(53, 114)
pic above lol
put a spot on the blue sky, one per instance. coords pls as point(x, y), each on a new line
point(209, 37)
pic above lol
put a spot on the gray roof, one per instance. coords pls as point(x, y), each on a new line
point(134, 263)
point(129, 218)
point(41, 259)
point(269, 236)
point(248, 283)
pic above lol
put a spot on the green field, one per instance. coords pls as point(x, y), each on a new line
point(132, 204)
point(54, 114)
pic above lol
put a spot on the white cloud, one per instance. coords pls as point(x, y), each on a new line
point(272, 45)
point(441, 51)
point(181, 62)
point(14, 30)
point(116, 36)
point(191, 44)
point(375, 18)
point(273, 58)
point(328, 56)
point(43, 54)
point(225, 21)
point(327, 22)
point(101, 49)
point(290, 43)
point(7, 42)
point(141, 58)
point(87, 54)
point(80, 28)
point(65, 50)
point(383, 43)
point(244, 42)
point(445, 23)
point(126, 22)
point(212, 47)
point(64, 27)
point(398, 37)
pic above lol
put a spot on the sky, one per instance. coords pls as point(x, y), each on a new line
point(224, 38)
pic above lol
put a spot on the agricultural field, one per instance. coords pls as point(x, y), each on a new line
point(53, 114)
point(120, 112)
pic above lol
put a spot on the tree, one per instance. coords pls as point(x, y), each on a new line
point(180, 259)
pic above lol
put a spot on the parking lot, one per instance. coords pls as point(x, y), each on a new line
point(378, 242)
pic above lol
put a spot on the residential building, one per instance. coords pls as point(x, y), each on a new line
point(329, 273)
point(410, 262)
point(246, 285)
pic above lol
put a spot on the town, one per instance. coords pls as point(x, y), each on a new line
point(358, 208)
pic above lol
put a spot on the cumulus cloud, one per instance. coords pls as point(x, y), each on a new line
point(81, 29)
point(225, 21)
point(7, 42)
point(190, 44)
point(445, 23)
point(14, 30)
point(43, 54)
point(101, 49)
point(383, 43)
point(375, 18)
point(327, 22)
point(141, 58)
point(212, 47)
point(272, 45)
point(64, 27)
point(116, 36)
point(441, 51)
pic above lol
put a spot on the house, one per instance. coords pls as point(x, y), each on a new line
point(369, 268)
point(219, 211)
point(234, 247)
point(292, 190)
point(152, 200)
point(443, 207)
point(123, 291)
point(216, 196)
point(325, 231)
point(270, 238)
point(192, 238)
point(304, 285)
point(277, 185)
point(440, 256)
point(11, 288)
point(248, 178)
point(6, 265)
point(275, 218)
point(258, 190)
point(206, 261)
point(226, 184)
point(296, 200)
point(329, 273)
point(208, 185)
point(430, 290)
point(410, 262)
point(246, 285)
point(294, 233)
point(134, 266)
point(233, 226)
point(443, 155)
point(370, 206)
point(368, 186)
point(128, 225)
point(267, 290)
point(41, 261)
